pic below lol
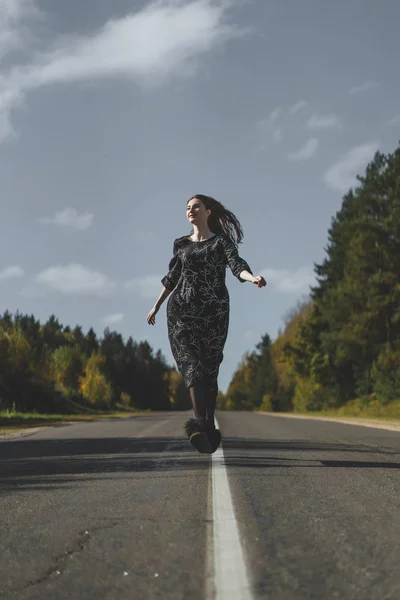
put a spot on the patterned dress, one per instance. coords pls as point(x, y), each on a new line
point(198, 307)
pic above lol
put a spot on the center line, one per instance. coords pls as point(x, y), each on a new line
point(230, 573)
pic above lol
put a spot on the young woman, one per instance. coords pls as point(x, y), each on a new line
point(198, 308)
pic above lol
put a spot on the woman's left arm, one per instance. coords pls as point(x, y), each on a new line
point(239, 267)
point(258, 279)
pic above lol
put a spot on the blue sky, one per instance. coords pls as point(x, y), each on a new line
point(113, 114)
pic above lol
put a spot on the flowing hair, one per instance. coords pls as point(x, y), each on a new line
point(221, 220)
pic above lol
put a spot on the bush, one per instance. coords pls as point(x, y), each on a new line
point(370, 406)
point(304, 391)
point(266, 403)
point(385, 376)
point(125, 400)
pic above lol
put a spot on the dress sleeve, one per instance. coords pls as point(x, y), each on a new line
point(170, 280)
point(236, 263)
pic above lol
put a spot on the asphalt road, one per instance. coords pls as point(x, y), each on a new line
point(127, 510)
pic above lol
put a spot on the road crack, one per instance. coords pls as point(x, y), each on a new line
point(58, 567)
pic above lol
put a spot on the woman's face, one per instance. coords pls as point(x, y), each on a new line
point(196, 212)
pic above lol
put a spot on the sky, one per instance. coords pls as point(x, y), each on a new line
point(113, 114)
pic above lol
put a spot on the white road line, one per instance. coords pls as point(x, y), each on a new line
point(230, 574)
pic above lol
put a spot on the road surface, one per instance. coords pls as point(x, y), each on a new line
point(288, 509)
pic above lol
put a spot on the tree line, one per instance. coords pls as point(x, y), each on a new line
point(341, 346)
point(51, 368)
point(338, 348)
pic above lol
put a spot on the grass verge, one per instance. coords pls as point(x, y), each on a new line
point(360, 417)
point(360, 409)
point(14, 422)
point(340, 416)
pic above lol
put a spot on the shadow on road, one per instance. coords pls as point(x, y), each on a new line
point(47, 463)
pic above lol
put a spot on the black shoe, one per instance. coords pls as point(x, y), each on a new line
point(195, 430)
point(214, 436)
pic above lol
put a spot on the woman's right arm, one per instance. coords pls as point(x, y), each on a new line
point(169, 282)
point(151, 317)
point(165, 292)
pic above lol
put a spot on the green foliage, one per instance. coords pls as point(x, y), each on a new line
point(344, 342)
point(179, 396)
point(266, 403)
point(221, 401)
point(254, 378)
point(49, 368)
point(68, 362)
point(385, 375)
point(126, 400)
point(306, 396)
point(340, 348)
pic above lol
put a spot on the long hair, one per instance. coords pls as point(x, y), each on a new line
point(221, 220)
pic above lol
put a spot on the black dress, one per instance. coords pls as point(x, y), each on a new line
point(198, 307)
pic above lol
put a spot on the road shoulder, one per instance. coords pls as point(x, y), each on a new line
point(377, 424)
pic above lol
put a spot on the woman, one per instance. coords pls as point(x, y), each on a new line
point(198, 309)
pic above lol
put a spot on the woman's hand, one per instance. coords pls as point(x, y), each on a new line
point(259, 281)
point(151, 317)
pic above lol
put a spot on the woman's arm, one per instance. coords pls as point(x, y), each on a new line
point(258, 279)
point(246, 276)
point(165, 292)
point(169, 282)
point(151, 317)
point(236, 263)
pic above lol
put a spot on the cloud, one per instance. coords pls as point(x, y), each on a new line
point(13, 16)
point(13, 11)
point(363, 87)
point(329, 121)
point(290, 282)
point(8, 98)
point(11, 273)
point(163, 40)
point(277, 136)
point(146, 287)
point(395, 121)
point(275, 114)
point(268, 126)
point(342, 175)
point(298, 106)
point(69, 218)
point(268, 123)
point(306, 152)
point(74, 279)
point(32, 291)
point(112, 319)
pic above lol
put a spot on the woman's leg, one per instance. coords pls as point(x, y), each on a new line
point(214, 435)
point(196, 428)
point(198, 396)
point(211, 399)
point(211, 404)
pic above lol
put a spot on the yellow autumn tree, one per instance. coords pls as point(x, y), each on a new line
point(19, 351)
point(16, 367)
point(237, 395)
point(94, 386)
point(173, 378)
point(67, 365)
point(178, 394)
point(286, 379)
